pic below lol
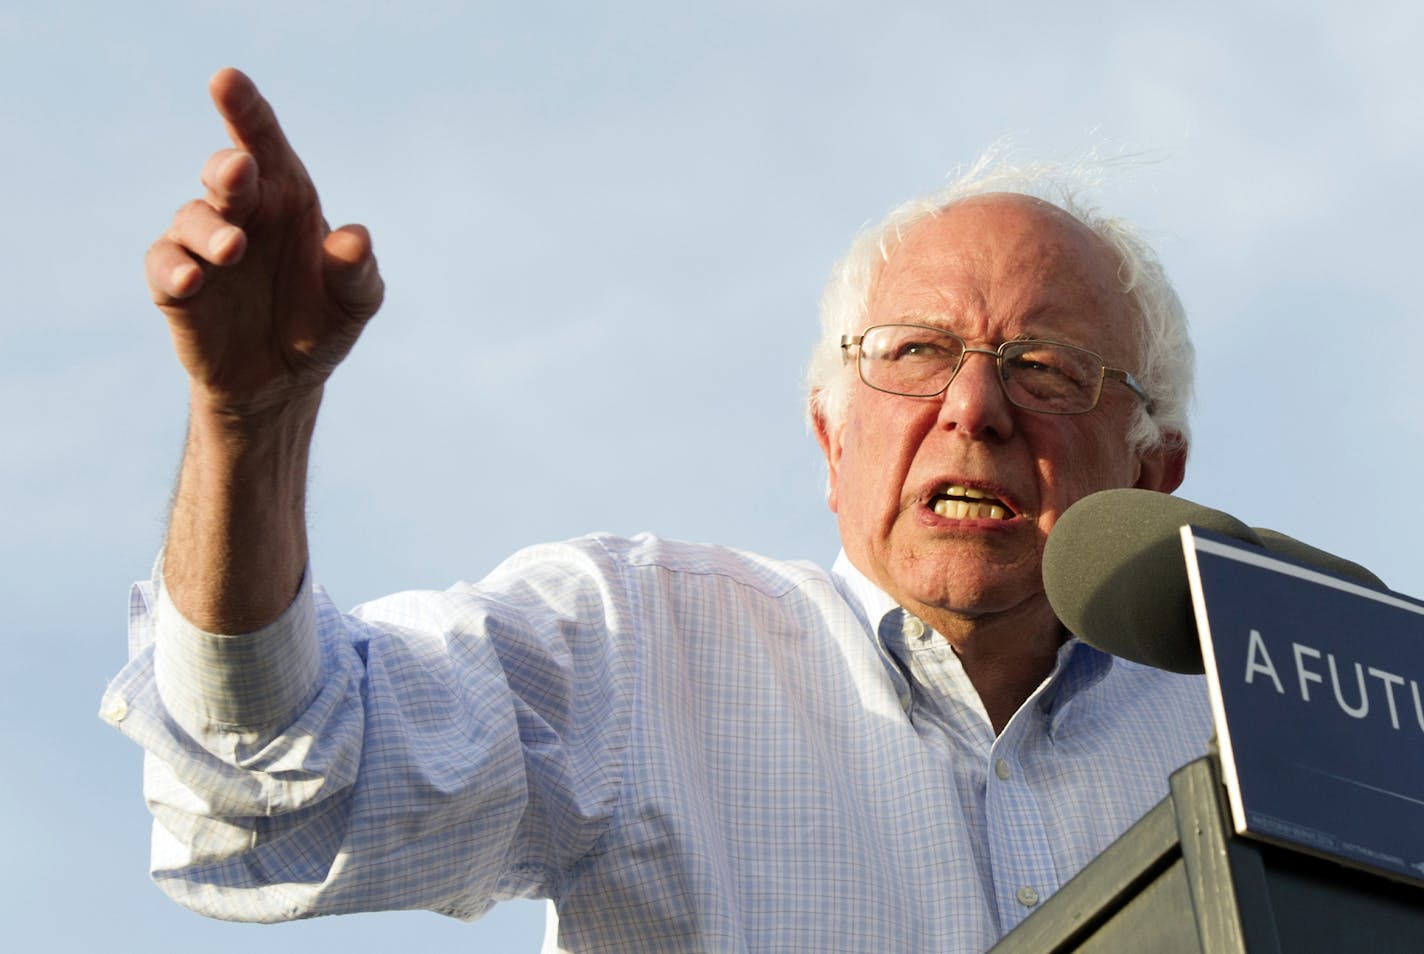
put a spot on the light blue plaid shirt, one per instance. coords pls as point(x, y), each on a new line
point(686, 747)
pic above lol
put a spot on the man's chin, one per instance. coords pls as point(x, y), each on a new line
point(966, 590)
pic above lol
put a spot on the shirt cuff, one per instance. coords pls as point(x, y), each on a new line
point(255, 681)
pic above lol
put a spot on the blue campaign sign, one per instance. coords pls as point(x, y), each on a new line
point(1318, 690)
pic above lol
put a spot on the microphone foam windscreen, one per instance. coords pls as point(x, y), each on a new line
point(1292, 549)
point(1115, 575)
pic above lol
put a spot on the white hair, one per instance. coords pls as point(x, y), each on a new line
point(1165, 364)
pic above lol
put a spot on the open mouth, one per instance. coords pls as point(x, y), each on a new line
point(968, 503)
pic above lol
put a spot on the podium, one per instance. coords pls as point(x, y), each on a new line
point(1302, 831)
point(1180, 881)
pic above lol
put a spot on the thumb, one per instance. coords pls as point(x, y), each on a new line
point(352, 278)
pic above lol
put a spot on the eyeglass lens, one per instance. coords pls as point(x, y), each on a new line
point(1037, 375)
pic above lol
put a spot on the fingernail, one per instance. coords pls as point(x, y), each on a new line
point(184, 278)
point(222, 241)
point(237, 159)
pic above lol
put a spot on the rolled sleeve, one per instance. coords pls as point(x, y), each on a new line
point(252, 683)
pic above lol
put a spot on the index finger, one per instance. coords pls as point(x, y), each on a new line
point(252, 124)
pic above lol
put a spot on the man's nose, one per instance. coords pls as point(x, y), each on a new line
point(975, 400)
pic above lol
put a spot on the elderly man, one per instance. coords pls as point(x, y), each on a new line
point(685, 747)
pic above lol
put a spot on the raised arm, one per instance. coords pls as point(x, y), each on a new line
point(263, 300)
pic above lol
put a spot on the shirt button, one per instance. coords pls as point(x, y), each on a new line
point(1027, 896)
point(114, 710)
point(1001, 769)
point(914, 627)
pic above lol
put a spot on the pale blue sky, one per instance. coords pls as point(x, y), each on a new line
point(604, 227)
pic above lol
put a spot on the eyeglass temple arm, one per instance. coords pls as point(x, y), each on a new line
point(1117, 374)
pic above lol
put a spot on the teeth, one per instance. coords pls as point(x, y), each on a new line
point(971, 492)
point(965, 510)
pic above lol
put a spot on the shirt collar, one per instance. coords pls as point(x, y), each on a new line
point(876, 609)
point(874, 602)
point(1078, 667)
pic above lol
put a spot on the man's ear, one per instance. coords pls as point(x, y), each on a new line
point(830, 440)
point(1163, 467)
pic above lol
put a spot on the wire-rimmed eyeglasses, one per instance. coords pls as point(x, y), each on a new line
point(1044, 376)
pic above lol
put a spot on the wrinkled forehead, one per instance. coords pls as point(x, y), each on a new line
point(1008, 265)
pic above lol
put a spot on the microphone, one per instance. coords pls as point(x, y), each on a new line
point(1116, 576)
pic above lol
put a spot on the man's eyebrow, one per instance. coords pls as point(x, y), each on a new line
point(944, 321)
point(937, 322)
